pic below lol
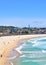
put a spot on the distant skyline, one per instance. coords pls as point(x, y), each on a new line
point(22, 13)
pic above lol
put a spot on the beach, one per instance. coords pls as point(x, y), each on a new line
point(7, 43)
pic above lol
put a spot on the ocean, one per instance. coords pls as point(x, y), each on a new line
point(34, 52)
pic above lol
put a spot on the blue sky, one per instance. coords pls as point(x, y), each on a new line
point(23, 13)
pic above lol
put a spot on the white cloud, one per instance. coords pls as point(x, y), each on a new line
point(38, 22)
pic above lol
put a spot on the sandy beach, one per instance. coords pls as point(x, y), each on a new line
point(7, 43)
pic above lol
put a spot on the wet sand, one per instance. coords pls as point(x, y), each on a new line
point(7, 43)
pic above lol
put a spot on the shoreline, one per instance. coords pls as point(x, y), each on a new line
point(13, 42)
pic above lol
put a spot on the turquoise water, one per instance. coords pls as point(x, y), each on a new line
point(34, 52)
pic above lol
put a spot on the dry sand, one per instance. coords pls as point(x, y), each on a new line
point(7, 43)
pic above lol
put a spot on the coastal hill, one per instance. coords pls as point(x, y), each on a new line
point(11, 30)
